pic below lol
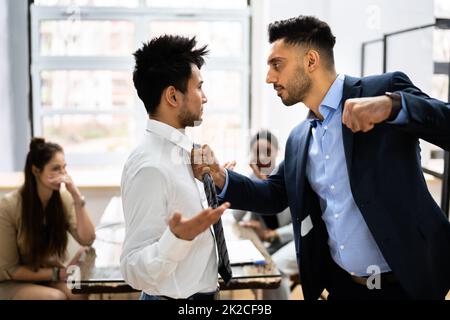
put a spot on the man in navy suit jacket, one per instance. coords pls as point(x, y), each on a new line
point(365, 224)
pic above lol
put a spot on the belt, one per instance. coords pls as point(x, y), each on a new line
point(197, 296)
point(387, 278)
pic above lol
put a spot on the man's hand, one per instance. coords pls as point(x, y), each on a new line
point(230, 165)
point(361, 114)
point(188, 229)
point(203, 161)
point(258, 172)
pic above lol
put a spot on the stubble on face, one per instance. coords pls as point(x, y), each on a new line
point(298, 88)
point(191, 110)
point(189, 119)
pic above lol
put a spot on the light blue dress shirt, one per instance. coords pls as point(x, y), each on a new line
point(352, 246)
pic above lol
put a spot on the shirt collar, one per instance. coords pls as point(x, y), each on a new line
point(176, 136)
point(334, 94)
point(331, 101)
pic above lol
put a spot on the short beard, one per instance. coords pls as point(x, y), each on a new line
point(187, 119)
point(298, 89)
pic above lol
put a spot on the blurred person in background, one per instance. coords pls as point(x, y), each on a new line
point(273, 229)
point(34, 221)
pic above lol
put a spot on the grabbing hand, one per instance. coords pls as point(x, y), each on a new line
point(203, 161)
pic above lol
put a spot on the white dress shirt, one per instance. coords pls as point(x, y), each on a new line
point(157, 180)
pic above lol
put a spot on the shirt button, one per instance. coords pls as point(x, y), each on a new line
point(325, 127)
point(332, 187)
point(336, 215)
point(327, 157)
point(342, 247)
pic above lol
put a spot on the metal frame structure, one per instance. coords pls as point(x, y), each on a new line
point(439, 68)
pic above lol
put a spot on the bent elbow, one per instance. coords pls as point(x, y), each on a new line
point(88, 241)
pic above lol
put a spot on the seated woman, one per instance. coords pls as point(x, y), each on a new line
point(274, 229)
point(34, 222)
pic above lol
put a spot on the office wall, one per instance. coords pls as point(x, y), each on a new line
point(411, 52)
point(6, 161)
point(14, 85)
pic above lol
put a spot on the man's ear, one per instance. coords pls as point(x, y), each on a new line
point(171, 96)
point(312, 60)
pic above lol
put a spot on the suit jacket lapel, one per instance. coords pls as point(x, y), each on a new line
point(302, 157)
point(352, 89)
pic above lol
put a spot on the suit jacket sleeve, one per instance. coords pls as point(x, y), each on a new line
point(428, 118)
point(262, 196)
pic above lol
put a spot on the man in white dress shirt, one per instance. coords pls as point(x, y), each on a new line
point(169, 249)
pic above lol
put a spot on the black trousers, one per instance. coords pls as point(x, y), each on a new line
point(343, 287)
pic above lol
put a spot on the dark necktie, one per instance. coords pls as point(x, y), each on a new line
point(224, 261)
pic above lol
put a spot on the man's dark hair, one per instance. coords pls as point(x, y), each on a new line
point(305, 30)
point(162, 62)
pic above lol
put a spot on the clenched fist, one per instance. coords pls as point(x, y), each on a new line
point(361, 114)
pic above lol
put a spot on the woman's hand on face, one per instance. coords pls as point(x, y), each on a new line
point(55, 180)
point(66, 179)
point(70, 186)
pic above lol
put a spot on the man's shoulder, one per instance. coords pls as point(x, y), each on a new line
point(385, 77)
point(150, 150)
point(149, 154)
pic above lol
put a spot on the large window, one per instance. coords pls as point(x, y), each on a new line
point(83, 93)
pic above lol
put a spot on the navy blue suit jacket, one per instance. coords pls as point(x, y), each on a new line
point(387, 184)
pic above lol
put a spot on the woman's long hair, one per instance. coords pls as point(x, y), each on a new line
point(45, 230)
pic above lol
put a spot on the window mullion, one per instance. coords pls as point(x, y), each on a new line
point(140, 17)
point(83, 111)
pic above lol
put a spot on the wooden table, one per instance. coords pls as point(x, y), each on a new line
point(100, 272)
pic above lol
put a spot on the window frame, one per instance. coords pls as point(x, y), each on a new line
point(141, 16)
